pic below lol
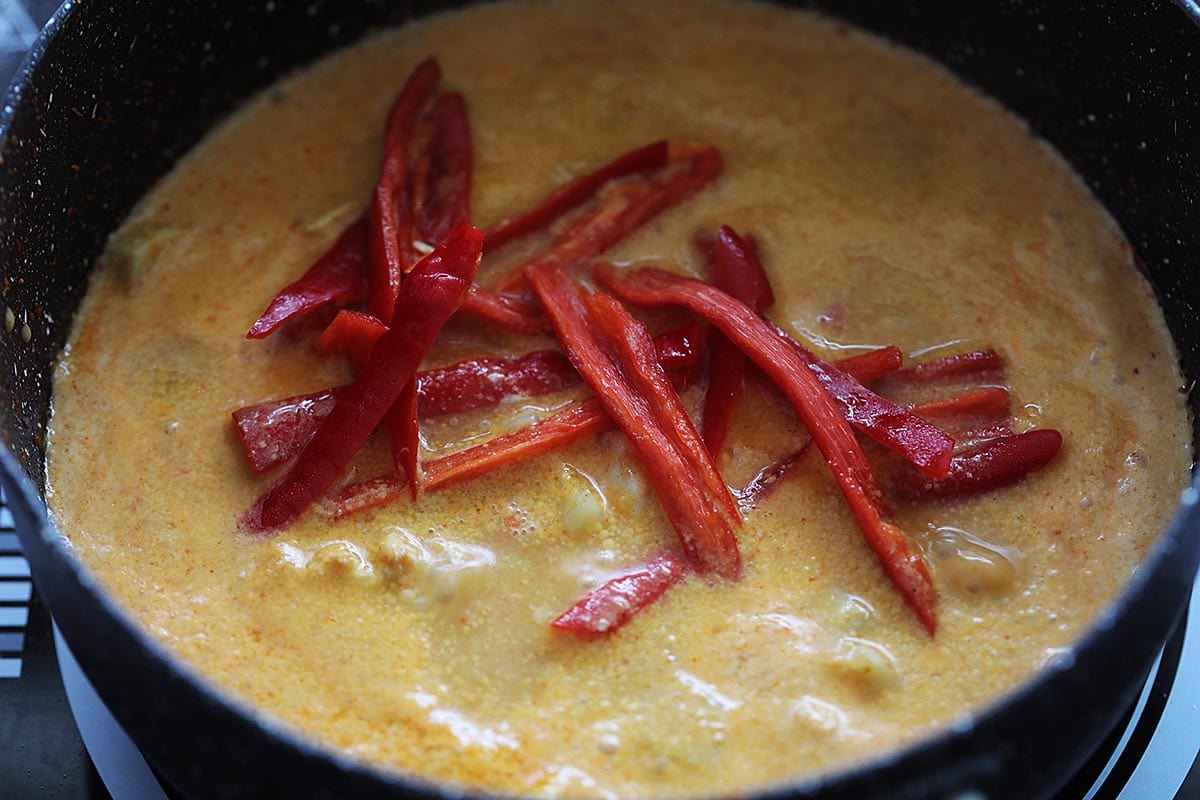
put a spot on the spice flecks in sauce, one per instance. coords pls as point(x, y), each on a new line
point(892, 206)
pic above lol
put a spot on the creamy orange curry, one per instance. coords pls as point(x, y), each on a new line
point(891, 204)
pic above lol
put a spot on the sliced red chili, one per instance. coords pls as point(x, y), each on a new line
point(404, 436)
point(736, 271)
point(427, 299)
point(389, 244)
point(336, 278)
point(990, 465)
point(611, 605)
point(702, 521)
point(783, 364)
point(574, 193)
point(623, 208)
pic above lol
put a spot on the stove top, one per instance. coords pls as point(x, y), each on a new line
point(58, 741)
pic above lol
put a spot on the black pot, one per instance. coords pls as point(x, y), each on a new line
point(113, 93)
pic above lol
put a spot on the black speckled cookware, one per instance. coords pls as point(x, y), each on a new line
point(114, 92)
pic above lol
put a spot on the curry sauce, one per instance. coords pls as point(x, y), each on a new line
point(892, 205)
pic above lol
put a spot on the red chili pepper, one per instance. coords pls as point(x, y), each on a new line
point(574, 193)
point(990, 465)
point(609, 606)
point(271, 433)
point(701, 520)
point(736, 271)
point(335, 278)
point(430, 295)
point(442, 178)
point(389, 254)
point(819, 412)
point(623, 208)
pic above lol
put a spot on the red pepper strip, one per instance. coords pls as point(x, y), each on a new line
point(463, 386)
point(506, 311)
point(352, 334)
point(336, 277)
point(568, 425)
point(271, 433)
point(623, 209)
point(442, 196)
point(575, 192)
point(737, 272)
point(390, 234)
point(863, 368)
point(700, 519)
point(430, 295)
point(926, 446)
point(871, 366)
point(404, 436)
point(637, 358)
point(783, 364)
point(990, 465)
point(970, 417)
point(610, 605)
point(763, 484)
point(941, 369)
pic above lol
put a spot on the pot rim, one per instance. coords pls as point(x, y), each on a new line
point(1180, 537)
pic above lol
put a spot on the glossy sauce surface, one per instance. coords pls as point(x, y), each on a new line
point(893, 206)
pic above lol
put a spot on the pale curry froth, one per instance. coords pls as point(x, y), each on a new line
point(893, 206)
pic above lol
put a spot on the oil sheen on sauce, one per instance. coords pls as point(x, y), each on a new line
point(893, 206)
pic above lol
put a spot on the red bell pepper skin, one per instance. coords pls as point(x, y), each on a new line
point(335, 278)
point(623, 209)
point(871, 366)
point(763, 484)
point(460, 387)
point(978, 362)
point(971, 417)
point(506, 312)
point(574, 193)
point(611, 605)
point(389, 241)
point(404, 436)
point(637, 358)
point(736, 271)
point(431, 294)
point(271, 433)
point(442, 179)
point(566, 426)
point(352, 334)
point(821, 415)
point(990, 465)
point(928, 447)
point(701, 521)
point(863, 368)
